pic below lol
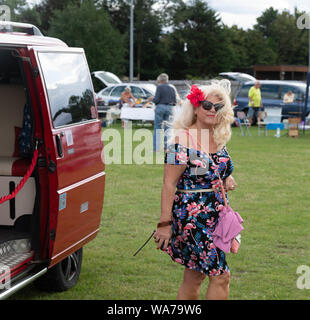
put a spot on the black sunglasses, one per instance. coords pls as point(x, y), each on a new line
point(207, 105)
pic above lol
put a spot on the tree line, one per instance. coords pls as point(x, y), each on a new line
point(185, 39)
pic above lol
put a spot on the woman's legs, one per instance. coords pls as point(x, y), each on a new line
point(190, 286)
point(218, 288)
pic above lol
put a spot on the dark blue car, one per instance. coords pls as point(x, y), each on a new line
point(273, 92)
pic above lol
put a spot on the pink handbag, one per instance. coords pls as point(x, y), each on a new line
point(227, 210)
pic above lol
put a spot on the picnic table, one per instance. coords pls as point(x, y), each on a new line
point(137, 113)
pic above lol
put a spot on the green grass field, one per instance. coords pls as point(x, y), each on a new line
point(273, 176)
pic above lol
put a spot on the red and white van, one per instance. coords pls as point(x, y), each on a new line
point(52, 174)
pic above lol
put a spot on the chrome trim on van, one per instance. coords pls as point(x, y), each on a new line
point(75, 244)
point(21, 284)
point(84, 181)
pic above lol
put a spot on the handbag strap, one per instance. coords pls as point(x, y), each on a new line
point(215, 166)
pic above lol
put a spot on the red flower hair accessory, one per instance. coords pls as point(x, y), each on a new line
point(196, 96)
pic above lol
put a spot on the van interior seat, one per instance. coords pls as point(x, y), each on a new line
point(12, 102)
point(12, 166)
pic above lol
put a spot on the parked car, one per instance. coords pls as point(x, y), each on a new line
point(237, 76)
point(49, 124)
point(103, 79)
point(112, 94)
point(273, 92)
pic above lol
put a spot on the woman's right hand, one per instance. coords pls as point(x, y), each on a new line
point(162, 237)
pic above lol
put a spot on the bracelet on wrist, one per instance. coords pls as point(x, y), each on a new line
point(164, 224)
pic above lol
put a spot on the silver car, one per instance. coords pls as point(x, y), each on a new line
point(112, 94)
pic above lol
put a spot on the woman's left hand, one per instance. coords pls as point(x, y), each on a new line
point(230, 183)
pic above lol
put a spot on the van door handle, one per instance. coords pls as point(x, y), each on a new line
point(59, 145)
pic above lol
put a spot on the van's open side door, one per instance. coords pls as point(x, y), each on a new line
point(72, 137)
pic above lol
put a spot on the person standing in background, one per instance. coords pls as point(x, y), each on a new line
point(255, 102)
point(165, 100)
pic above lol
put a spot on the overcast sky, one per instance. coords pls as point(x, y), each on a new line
point(243, 13)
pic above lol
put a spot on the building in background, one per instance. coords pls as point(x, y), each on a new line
point(280, 72)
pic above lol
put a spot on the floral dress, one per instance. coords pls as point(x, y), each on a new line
point(195, 214)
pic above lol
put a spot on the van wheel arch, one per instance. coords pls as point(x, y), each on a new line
point(64, 275)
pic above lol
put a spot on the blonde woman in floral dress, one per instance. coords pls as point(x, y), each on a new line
point(191, 198)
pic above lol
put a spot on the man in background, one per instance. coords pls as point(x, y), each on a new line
point(165, 100)
point(255, 102)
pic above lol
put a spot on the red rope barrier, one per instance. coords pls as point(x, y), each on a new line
point(24, 180)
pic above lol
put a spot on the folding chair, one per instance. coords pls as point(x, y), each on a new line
point(261, 124)
point(243, 121)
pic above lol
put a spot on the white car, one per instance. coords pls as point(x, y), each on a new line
point(106, 78)
point(112, 94)
point(237, 76)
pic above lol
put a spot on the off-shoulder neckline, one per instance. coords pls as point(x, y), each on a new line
point(211, 153)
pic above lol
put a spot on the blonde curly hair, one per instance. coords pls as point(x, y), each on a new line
point(185, 117)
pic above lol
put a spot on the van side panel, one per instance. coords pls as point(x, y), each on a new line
point(78, 217)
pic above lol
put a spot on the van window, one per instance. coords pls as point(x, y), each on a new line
point(270, 91)
point(68, 86)
point(243, 93)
